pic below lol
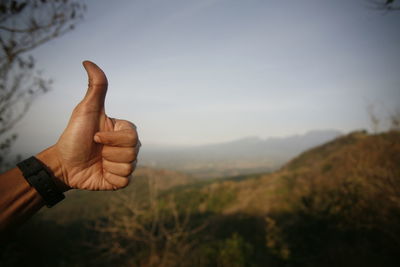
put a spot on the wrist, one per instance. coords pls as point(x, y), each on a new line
point(49, 158)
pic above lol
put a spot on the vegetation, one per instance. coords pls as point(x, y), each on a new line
point(335, 205)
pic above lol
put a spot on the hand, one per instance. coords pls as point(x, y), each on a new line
point(94, 152)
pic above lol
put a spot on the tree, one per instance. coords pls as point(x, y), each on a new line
point(388, 5)
point(374, 119)
point(394, 118)
point(25, 25)
point(146, 229)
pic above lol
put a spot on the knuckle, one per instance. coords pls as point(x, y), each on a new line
point(124, 125)
point(85, 107)
point(127, 169)
point(129, 124)
point(94, 85)
point(131, 155)
point(132, 138)
point(130, 169)
point(125, 183)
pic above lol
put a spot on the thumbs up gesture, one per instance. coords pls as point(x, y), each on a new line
point(95, 152)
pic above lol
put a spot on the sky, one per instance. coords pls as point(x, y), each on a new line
point(191, 72)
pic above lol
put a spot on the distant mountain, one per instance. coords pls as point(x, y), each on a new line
point(247, 155)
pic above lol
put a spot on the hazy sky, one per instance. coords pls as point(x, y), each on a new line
point(205, 71)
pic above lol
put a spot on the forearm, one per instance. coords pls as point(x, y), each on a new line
point(18, 199)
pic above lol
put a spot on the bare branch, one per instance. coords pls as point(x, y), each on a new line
point(386, 5)
point(160, 230)
point(25, 25)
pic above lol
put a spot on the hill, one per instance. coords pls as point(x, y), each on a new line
point(357, 159)
point(337, 204)
point(334, 205)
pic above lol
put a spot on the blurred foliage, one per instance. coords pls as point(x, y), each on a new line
point(335, 205)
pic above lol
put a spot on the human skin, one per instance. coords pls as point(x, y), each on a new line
point(95, 152)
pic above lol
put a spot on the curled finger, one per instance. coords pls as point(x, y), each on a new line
point(119, 154)
point(123, 138)
point(116, 181)
point(118, 168)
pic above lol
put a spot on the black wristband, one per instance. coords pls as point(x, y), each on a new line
point(37, 175)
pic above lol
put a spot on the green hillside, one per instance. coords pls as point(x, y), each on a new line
point(335, 205)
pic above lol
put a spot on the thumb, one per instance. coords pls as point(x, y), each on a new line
point(97, 88)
